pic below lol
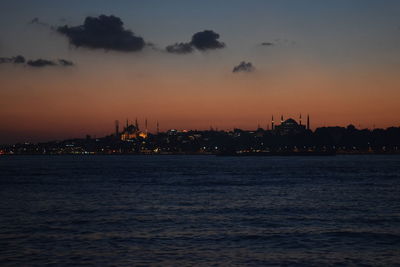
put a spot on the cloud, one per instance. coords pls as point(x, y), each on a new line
point(45, 62)
point(37, 62)
point(65, 63)
point(17, 59)
point(278, 42)
point(243, 67)
point(37, 21)
point(180, 48)
point(267, 44)
point(206, 40)
point(40, 63)
point(103, 32)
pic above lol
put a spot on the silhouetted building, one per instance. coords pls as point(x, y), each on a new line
point(272, 123)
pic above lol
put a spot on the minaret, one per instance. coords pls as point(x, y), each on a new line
point(126, 124)
point(300, 119)
point(145, 124)
point(116, 128)
point(281, 119)
point(308, 122)
point(272, 123)
point(158, 128)
point(136, 124)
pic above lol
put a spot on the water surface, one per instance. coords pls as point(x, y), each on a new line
point(199, 210)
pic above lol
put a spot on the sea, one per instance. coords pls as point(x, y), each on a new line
point(199, 211)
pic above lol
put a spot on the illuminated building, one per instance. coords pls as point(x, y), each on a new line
point(132, 131)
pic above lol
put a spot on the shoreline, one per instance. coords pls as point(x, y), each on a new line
point(250, 154)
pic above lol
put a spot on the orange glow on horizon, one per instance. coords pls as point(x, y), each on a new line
point(52, 105)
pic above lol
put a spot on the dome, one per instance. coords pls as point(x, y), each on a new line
point(131, 128)
point(290, 121)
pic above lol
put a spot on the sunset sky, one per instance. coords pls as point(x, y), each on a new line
point(338, 61)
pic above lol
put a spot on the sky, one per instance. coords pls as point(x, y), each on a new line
point(236, 64)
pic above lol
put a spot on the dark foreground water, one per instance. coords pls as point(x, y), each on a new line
point(199, 210)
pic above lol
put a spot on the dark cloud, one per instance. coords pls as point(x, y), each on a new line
point(37, 21)
point(103, 32)
point(45, 62)
point(34, 21)
point(40, 63)
point(5, 60)
point(243, 67)
point(17, 59)
point(180, 48)
point(65, 63)
point(267, 44)
point(206, 40)
point(36, 63)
